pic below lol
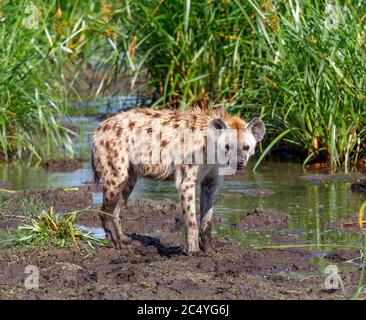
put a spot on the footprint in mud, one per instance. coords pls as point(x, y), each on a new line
point(69, 275)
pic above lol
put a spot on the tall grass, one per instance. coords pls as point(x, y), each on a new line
point(44, 47)
point(318, 67)
point(191, 48)
point(299, 64)
point(30, 94)
point(361, 282)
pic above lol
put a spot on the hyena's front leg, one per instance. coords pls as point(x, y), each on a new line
point(115, 194)
point(111, 220)
point(208, 189)
point(187, 196)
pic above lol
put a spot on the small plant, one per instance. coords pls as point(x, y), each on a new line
point(57, 229)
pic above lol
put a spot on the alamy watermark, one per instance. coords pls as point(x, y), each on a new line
point(333, 279)
point(188, 146)
point(32, 277)
point(33, 18)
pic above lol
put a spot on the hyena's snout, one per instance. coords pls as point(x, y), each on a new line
point(238, 161)
point(240, 164)
point(241, 161)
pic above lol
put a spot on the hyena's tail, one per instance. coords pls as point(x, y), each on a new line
point(94, 165)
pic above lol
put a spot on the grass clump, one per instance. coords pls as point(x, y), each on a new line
point(59, 229)
point(191, 48)
point(7, 237)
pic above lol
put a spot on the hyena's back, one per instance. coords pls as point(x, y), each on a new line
point(130, 135)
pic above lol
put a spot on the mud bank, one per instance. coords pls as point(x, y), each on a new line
point(63, 164)
point(4, 185)
point(139, 272)
point(326, 177)
point(154, 266)
point(350, 224)
point(261, 219)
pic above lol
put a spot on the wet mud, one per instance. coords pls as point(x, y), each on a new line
point(350, 224)
point(359, 186)
point(262, 219)
point(63, 164)
point(154, 265)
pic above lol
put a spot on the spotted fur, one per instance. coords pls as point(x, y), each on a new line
point(129, 136)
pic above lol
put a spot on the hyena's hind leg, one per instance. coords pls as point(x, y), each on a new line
point(208, 189)
point(117, 188)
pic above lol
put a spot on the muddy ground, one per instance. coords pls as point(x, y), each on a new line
point(155, 266)
point(63, 164)
point(262, 219)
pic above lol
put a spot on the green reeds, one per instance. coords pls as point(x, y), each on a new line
point(299, 64)
point(30, 95)
point(318, 67)
point(44, 47)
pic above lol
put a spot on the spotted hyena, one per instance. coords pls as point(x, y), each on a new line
point(195, 147)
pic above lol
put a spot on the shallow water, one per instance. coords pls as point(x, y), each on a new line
point(311, 201)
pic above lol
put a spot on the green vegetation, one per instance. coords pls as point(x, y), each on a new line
point(361, 283)
point(29, 90)
point(57, 229)
point(298, 64)
point(41, 225)
point(43, 49)
point(300, 67)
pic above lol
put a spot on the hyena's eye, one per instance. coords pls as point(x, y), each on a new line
point(227, 147)
point(246, 148)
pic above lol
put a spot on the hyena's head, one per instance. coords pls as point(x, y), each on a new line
point(247, 140)
point(238, 144)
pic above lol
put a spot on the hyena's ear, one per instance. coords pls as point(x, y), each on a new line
point(217, 124)
point(257, 128)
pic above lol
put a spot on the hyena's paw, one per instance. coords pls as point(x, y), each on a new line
point(193, 249)
point(198, 253)
point(205, 240)
point(123, 242)
point(206, 244)
point(118, 242)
